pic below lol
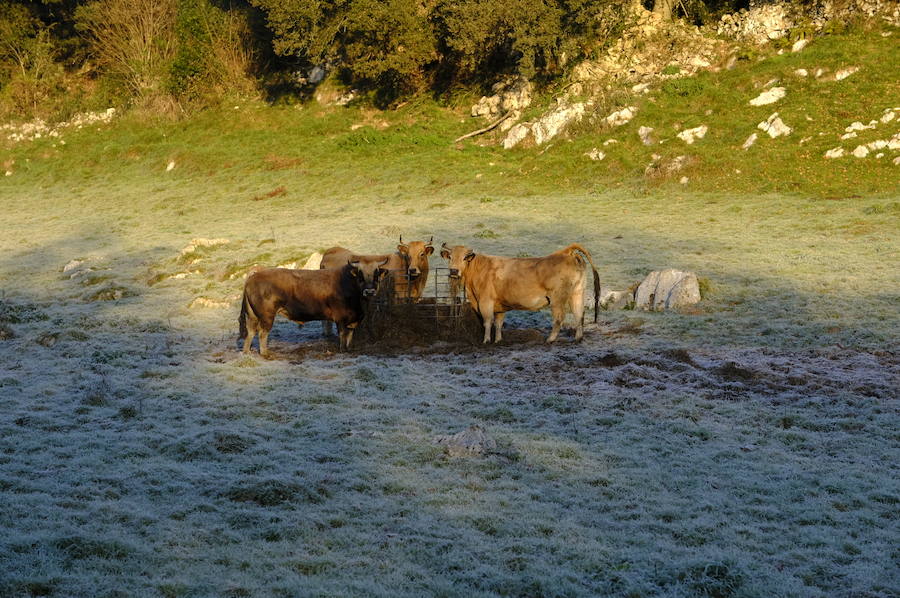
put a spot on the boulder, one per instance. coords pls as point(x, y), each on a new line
point(845, 72)
point(836, 152)
point(667, 289)
point(512, 94)
point(646, 135)
point(621, 117)
point(554, 122)
point(516, 135)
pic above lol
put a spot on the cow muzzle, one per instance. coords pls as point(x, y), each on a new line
point(368, 292)
point(454, 273)
point(414, 273)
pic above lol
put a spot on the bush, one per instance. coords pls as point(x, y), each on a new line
point(133, 41)
point(29, 73)
point(399, 46)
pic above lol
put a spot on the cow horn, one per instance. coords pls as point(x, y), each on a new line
point(444, 245)
point(430, 240)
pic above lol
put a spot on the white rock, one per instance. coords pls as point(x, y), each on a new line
point(72, 265)
point(691, 135)
point(620, 117)
point(750, 141)
point(554, 122)
point(595, 154)
point(610, 141)
point(878, 144)
point(615, 299)
point(170, 166)
point(770, 83)
point(801, 73)
point(667, 289)
point(645, 133)
point(879, 155)
point(641, 88)
point(819, 72)
point(888, 116)
point(8, 173)
point(861, 151)
point(314, 261)
point(683, 180)
point(844, 73)
point(837, 152)
point(774, 126)
point(804, 140)
point(799, 45)
point(848, 135)
point(516, 135)
point(769, 97)
point(896, 161)
point(207, 302)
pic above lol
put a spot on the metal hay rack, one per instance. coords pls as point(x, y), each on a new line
point(394, 318)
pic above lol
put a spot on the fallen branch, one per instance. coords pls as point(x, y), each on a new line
point(484, 130)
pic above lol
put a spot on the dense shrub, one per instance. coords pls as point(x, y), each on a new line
point(401, 45)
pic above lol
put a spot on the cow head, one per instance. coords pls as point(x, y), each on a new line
point(416, 254)
point(367, 273)
point(458, 258)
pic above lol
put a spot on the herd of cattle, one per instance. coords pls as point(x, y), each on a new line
point(346, 281)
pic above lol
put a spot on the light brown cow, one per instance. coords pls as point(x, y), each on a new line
point(495, 285)
point(337, 295)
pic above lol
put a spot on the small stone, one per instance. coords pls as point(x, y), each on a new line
point(888, 116)
point(641, 88)
point(861, 151)
point(170, 166)
point(683, 180)
point(472, 441)
point(314, 261)
point(769, 97)
point(750, 141)
point(879, 155)
point(837, 152)
point(819, 72)
point(896, 161)
point(799, 45)
point(845, 72)
point(595, 154)
point(774, 126)
point(645, 133)
point(691, 135)
point(801, 73)
point(848, 135)
point(610, 141)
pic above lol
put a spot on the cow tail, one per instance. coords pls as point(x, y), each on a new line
point(571, 249)
point(242, 319)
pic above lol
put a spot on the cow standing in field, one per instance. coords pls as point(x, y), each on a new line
point(408, 266)
point(495, 285)
point(336, 295)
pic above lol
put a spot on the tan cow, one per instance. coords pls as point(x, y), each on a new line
point(408, 267)
point(495, 285)
point(336, 295)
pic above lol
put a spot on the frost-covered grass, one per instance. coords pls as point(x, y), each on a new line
point(747, 447)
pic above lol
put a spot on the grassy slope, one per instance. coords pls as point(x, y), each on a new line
point(134, 443)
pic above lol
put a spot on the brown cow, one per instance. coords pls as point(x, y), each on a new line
point(495, 285)
point(408, 266)
point(337, 295)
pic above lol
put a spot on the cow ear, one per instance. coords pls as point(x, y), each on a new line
point(429, 250)
point(402, 248)
point(353, 263)
point(470, 256)
point(445, 253)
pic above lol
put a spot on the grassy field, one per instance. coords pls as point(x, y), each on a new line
point(747, 447)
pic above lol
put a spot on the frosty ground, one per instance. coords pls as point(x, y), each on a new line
point(745, 448)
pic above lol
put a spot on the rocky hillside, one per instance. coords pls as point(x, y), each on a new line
point(810, 87)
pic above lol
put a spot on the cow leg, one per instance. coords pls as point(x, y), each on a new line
point(558, 311)
point(498, 326)
point(576, 304)
point(265, 326)
point(251, 332)
point(327, 330)
point(345, 333)
point(487, 317)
